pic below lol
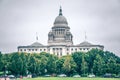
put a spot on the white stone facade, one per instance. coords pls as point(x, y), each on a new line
point(60, 41)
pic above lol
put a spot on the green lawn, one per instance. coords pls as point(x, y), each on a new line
point(69, 78)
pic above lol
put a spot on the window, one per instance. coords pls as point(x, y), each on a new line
point(53, 49)
point(35, 49)
point(67, 49)
point(80, 48)
point(83, 48)
point(75, 49)
point(60, 48)
point(20, 49)
point(24, 49)
point(32, 49)
point(44, 49)
point(71, 49)
point(40, 49)
point(29, 49)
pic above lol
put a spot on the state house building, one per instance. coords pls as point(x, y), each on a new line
point(60, 41)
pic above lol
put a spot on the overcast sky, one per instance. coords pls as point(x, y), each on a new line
point(21, 19)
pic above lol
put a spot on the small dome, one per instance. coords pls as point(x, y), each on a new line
point(85, 43)
point(36, 44)
point(60, 20)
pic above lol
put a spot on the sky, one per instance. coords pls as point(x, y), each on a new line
point(21, 19)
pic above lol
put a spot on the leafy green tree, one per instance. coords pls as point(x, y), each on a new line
point(51, 64)
point(77, 57)
point(69, 66)
point(98, 65)
point(111, 65)
point(95, 61)
point(37, 67)
point(91, 57)
point(5, 62)
point(84, 66)
point(32, 64)
point(18, 64)
point(43, 64)
point(59, 65)
point(24, 58)
point(1, 62)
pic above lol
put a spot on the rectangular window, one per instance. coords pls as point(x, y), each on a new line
point(20, 49)
point(75, 49)
point(44, 49)
point(87, 48)
point(80, 48)
point(40, 49)
point(67, 49)
point(71, 49)
point(60, 48)
point(29, 49)
point(24, 49)
point(32, 49)
point(53, 49)
point(35, 49)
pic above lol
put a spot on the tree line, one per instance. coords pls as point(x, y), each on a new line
point(96, 62)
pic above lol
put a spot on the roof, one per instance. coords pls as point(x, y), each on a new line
point(36, 44)
point(85, 43)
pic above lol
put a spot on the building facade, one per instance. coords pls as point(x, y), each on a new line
point(60, 41)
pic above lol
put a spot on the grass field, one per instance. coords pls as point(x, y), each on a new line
point(70, 78)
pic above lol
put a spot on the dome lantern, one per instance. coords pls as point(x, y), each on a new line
point(60, 11)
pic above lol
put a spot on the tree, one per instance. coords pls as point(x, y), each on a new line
point(32, 64)
point(111, 65)
point(95, 61)
point(18, 64)
point(84, 66)
point(91, 57)
point(24, 64)
point(5, 62)
point(69, 66)
point(1, 62)
point(98, 64)
point(51, 64)
point(59, 65)
point(43, 64)
point(77, 57)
